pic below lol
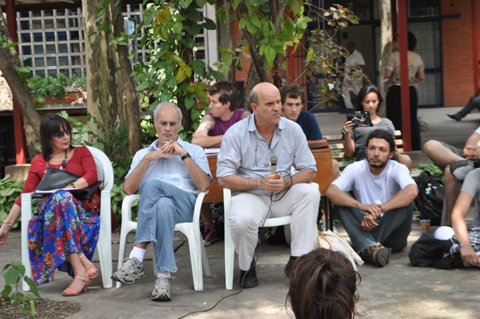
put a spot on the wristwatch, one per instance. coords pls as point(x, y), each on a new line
point(185, 156)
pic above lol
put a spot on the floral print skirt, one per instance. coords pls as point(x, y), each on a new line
point(61, 227)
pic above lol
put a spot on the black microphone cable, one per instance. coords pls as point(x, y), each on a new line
point(258, 252)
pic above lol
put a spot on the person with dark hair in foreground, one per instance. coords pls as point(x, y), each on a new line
point(379, 220)
point(323, 285)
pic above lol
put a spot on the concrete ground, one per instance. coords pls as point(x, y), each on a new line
point(396, 291)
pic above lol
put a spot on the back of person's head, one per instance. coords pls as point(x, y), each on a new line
point(323, 286)
point(364, 91)
point(293, 91)
point(227, 91)
point(50, 125)
point(382, 134)
point(412, 41)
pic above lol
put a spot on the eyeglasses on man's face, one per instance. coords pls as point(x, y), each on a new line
point(62, 134)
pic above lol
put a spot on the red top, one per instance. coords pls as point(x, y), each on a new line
point(81, 164)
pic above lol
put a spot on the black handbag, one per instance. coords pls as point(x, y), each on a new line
point(57, 179)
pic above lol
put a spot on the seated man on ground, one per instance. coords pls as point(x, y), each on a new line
point(293, 102)
point(468, 241)
point(244, 165)
point(223, 114)
point(456, 163)
point(170, 173)
point(379, 221)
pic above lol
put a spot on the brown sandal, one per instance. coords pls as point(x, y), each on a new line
point(92, 272)
point(70, 292)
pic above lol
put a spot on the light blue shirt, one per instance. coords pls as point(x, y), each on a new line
point(172, 170)
point(244, 152)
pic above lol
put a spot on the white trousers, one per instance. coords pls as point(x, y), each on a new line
point(248, 212)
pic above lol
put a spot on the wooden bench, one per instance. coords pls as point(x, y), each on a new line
point(336, 144)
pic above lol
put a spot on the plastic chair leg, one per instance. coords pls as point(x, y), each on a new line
point(121, 249)
point(206, 266)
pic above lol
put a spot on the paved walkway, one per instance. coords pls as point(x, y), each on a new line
point(396, 291)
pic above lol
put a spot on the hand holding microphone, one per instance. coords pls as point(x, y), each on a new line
point(274, 182)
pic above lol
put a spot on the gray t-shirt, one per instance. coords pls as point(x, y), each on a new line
point(360, 135)
point(471, 186)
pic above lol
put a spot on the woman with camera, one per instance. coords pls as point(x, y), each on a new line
point(63, 234)
point(355, 137)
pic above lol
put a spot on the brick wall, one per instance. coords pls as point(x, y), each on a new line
point(457, 52)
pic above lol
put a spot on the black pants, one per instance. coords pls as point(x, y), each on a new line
point(394, 113)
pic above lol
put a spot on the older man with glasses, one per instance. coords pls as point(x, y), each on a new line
point(244, 165)
point(170, 173)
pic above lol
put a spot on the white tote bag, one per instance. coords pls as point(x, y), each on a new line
point(332, 241)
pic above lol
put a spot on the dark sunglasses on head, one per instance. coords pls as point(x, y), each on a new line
point(62, 134)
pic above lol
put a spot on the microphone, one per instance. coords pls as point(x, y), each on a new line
point(273, 161)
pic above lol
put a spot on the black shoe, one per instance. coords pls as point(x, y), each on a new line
point(455, 117)
point(377, 255)
point(248, 279)
point(290, 265)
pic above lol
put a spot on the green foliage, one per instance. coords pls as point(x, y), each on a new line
point(324, 50)
point(54, 87)
point(256, 18)
point(172, 73)
point(13, 274)
point(9, 192)
point(432, 168)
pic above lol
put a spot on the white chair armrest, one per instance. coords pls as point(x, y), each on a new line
point(127, 207)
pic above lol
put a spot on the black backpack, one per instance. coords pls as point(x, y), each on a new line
point(430, 252)
point(430, 198)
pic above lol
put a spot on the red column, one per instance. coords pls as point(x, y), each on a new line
point(475, 45)
point(17, 113)
point(403, 41)
point(291, 65)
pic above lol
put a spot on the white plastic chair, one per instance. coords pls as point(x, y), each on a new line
point(229, 248)
point(198, 256)
point(105, 174)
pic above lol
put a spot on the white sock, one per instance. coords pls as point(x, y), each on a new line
point(163, 274)
point(138, 253)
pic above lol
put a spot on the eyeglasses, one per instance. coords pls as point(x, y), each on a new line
point(62, 134)
point(165, 123)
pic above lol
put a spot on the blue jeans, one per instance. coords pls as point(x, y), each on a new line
point(392, 230)
point(162, 205)
point(473, 103)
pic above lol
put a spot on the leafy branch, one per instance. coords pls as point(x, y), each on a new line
point(13, 274)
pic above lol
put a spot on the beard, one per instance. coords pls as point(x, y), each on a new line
point(379, 165)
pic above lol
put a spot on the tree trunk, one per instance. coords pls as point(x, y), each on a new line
point(8, 64)
point(385, 10)
point(103, 102)
point(132, 107)
point(252, 80)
